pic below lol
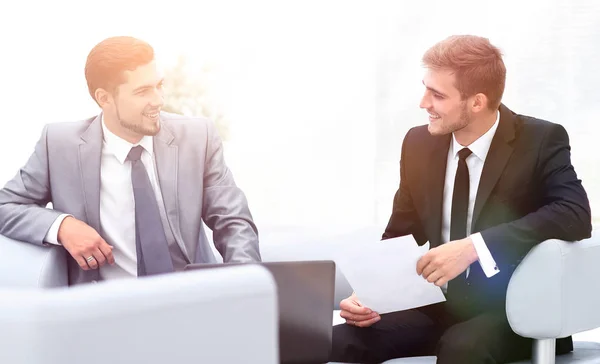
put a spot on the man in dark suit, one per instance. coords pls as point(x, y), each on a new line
point(483, 185)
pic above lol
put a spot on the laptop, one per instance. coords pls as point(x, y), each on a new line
point(305, 291)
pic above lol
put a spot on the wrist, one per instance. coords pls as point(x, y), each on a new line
point(61, 228)
point(471, 251)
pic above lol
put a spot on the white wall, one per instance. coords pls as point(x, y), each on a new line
point(319, 94)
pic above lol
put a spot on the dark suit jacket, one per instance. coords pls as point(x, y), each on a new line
point(529, 192)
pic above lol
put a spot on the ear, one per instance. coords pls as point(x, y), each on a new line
point(480, 102)
point(103, 97)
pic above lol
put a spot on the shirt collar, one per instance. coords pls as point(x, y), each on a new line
point(481, 146)
point(119, 147)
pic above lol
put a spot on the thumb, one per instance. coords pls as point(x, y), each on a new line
point(365, 309)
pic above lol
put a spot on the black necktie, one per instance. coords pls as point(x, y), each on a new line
point(458, 222)
point(460, 198)
point(153, 255)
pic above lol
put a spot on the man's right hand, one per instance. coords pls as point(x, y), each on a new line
point(83, 242)
point(356, 314)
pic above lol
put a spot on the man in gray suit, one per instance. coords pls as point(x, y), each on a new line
point(130, 187)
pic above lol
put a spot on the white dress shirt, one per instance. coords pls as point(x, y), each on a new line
point(117, 206)
point(475, 161)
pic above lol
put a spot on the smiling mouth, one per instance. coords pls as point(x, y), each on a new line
point(151, 115)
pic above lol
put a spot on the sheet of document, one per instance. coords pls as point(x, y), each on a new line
point(337, 319)
point(384, 275)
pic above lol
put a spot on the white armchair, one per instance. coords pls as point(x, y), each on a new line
point(25, 265)
point(554, 294)
point(208, 316)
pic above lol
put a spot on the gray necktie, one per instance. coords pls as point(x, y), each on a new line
point(151, 244)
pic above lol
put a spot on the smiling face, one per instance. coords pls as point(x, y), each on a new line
point(448, 111)
point(464, 84)
point(132, 110)
point(138, 101)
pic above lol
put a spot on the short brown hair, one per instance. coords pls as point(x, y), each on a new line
point(476, 63)
point(109, 59)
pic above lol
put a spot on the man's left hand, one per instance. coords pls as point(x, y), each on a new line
point(443, 263)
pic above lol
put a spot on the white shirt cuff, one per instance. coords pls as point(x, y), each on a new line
point(52, 234)
point(487, 262)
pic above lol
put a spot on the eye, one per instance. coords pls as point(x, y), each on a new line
point(438, 96)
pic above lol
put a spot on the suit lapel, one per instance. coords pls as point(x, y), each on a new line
point(90, 153)
point(166, 155)
point(435, 192)
point(495, 162)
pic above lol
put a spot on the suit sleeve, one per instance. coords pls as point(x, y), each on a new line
point(404, 219)
point(564, 213)
point(225, 207)
point(23, 200)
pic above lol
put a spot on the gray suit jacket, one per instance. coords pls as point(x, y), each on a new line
point(195, 183)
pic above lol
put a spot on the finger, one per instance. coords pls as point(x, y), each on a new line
point(423, 262)
point(356, 301)
point(441, 281)
point(367, 323)
point(100, 259)
point(429, 269)
point(351, 306)
point(434, 276)
point(107, 252)
point(91, 261)
point(82, 263)
point(353, 317)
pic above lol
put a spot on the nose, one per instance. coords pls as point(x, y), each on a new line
point(158, 99)
point(425, 102)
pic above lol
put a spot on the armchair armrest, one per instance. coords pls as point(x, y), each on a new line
point(554, 292)
point(27, 265)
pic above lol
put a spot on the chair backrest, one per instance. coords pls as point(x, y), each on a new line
point(224, 315)
point(27, 265)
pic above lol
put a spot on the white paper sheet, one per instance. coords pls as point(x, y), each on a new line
point(337, 319)
point(384, 275)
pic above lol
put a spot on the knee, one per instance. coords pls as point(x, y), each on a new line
point(341, 338)
point(348, 345)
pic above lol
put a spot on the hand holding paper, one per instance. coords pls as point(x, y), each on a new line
point(384, 275)
point(355, 313)
point(447, 261)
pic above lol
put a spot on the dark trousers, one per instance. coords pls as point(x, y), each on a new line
point(431, 330)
